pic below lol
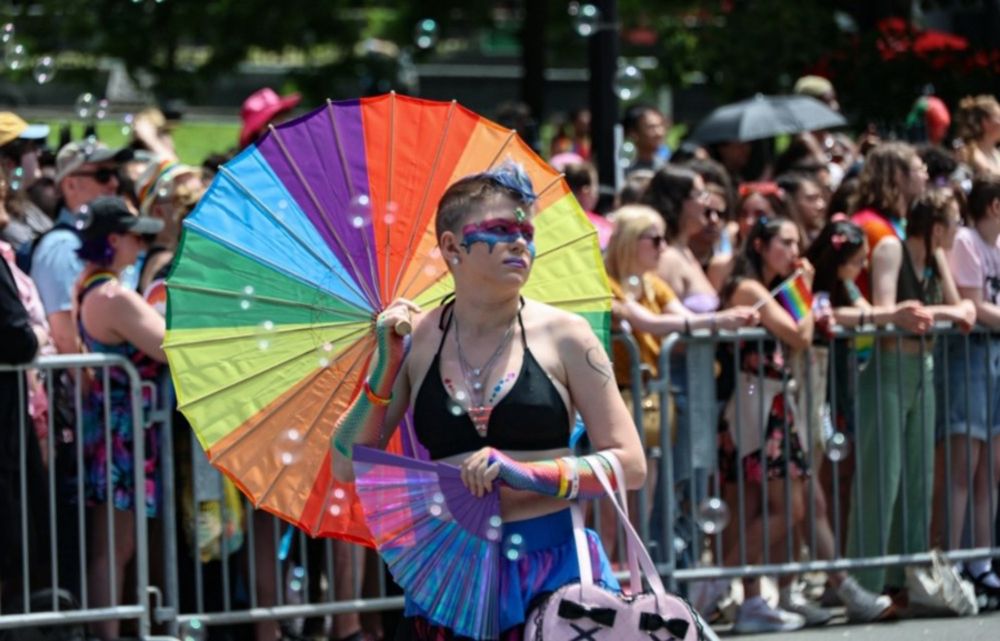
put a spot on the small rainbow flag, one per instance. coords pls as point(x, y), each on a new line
point(795, 296)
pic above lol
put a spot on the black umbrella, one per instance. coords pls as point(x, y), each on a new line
point(765, 116)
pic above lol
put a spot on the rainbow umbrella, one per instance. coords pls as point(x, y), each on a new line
point(298, 244)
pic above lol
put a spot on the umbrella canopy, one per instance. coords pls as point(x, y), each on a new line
point(298, 244)
point(765, 116)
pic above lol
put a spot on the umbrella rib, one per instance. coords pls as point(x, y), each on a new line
point(305, 437)
point(549, 186)
point(271, 214)
point(550, 250)
point(347, 177)
point(510, 136)
point(388, 187)
point(411, 245)
point(325, 217)
point(288, 360)
point(361, 316)
point(312, 426)
point(235, 337)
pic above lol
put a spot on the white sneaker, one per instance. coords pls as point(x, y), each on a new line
point(862, 606)
point(757, 616)
point(792, 601)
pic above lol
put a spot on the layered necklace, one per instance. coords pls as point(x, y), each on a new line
point(476, 377)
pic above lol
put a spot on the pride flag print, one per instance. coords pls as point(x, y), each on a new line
point(796, 297)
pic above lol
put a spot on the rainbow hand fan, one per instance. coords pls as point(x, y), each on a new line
point(298, 244)
point(440, 542)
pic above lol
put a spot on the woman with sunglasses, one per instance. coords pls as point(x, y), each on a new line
point(114, 319)
point(494, 381)
point(646, 305)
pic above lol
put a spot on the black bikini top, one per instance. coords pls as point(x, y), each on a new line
point(532, 416)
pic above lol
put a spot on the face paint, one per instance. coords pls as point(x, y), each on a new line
point(498, 230)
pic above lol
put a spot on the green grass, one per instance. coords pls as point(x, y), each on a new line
point(193, 140)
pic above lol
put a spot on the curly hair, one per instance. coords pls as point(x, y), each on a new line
point(470, 194)
point(879, 186)
point(970, 114)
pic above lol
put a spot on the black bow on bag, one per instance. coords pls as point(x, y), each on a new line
point(650, 621)
point(573, 611)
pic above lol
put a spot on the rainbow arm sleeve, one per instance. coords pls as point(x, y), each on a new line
point(567, 477)
point(363, 413)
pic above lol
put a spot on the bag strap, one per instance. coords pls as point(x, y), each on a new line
point(632, 540)
point(638, 557)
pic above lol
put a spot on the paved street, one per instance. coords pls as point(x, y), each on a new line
point(980, 628)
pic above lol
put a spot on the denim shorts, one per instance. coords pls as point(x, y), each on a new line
point(967, 401)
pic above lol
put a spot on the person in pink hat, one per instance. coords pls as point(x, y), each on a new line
point(261, 108)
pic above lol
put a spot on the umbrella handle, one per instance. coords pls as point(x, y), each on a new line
point(403, 328)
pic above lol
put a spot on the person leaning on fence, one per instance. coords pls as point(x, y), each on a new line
point(895, 399)
point(114, 319)
point(762, 437)
point(646, 306)
point(972, 422)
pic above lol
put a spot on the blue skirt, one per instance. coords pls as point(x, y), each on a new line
point(538, 557)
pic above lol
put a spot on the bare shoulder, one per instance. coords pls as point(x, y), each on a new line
point(748, 292)
point(557, 324)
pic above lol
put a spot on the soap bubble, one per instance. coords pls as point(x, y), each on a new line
point(713, 515)
point(193, 630)
point(45, 70)
point(359, 212)
point(7, 33)
point(586, 18)
point(15, 56)
point(101, 109)
point(128, 120)
point(626, 154)
point(85, 105)
point(629, 82)
point(426, 33)
point(838, 447)
point(289, 446)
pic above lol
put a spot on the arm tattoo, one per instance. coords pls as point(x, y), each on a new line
point(599, 363)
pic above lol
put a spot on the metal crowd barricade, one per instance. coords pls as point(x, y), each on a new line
point(708, 544)
point(45, 605)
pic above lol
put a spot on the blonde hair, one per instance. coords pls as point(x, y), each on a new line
point(878, 185)
point(970, 114)
point(631, 222)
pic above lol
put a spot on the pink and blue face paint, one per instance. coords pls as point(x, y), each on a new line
point(499, 230)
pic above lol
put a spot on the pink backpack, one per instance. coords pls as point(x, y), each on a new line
point(587, 612)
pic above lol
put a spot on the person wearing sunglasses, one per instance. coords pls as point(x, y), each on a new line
point(84, 171)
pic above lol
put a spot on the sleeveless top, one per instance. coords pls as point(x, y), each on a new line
point(532, 416)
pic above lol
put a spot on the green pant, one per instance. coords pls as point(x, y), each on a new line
point(893, 481)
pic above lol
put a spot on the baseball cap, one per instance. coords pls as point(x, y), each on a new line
point(110, 214)
point(13, 127)
point(77, 154)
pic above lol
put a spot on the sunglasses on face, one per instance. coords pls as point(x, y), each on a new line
point(102, 175)
point(657, 240)
point(502, 227)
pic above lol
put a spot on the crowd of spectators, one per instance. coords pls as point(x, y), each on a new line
point(699, 239)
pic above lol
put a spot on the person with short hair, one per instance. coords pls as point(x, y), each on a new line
point(647, 128)
point(84, 171)
point(494, 381)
